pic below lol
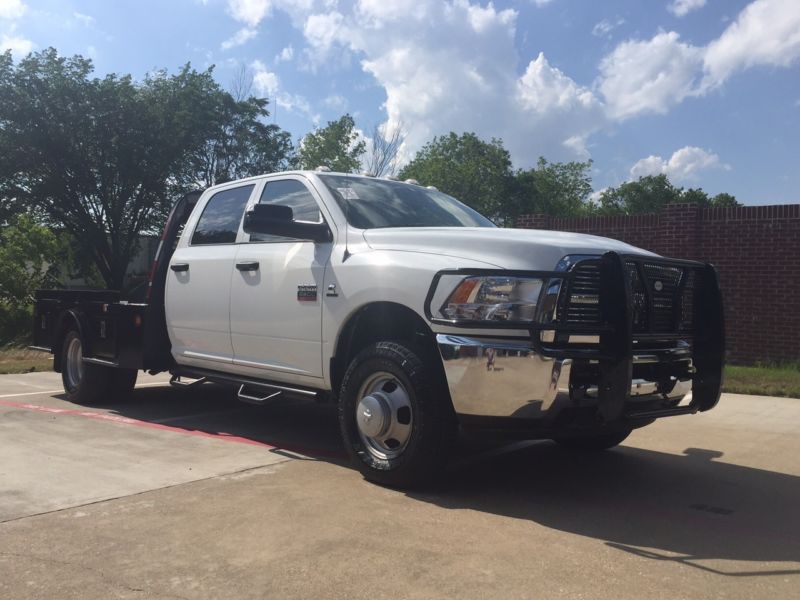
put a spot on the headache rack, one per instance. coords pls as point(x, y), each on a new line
point(608, 309)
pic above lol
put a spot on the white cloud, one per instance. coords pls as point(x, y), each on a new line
point(541, 3)
point(86, 20)
point(268, 84)
point(683, 165)
point(265, 81)
point(244, 35)
point(12, 9)
point(606, 26)
point(322, 31)
point(649, 76)
point(681, 8)
point(652, 76)
point(18, 45)
point(453, 67)
point(766, 32)
point(250, 12)
point(336, 102)
point(548, 96)
point(285, 55)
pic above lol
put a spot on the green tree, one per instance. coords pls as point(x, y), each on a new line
point(336, 146)
point(104, 158)
point(468, 168)
point(724, 200)
point(28, 256)
point(694, 196)
point(559, 189)
point(242, 143)
point(645, 195)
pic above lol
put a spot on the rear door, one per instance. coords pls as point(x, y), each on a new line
point(276, 293)
point(198, 282)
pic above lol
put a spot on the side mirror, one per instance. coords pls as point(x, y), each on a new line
point(274, 219)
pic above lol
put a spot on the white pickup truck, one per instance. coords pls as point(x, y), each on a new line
point(410, 310)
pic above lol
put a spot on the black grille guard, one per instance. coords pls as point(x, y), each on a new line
point(615, 349)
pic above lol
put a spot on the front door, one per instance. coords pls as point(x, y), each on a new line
point(276, 292)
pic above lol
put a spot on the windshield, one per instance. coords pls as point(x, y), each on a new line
point(374, 203)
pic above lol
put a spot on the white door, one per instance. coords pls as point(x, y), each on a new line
point(276, 293)
point(198, 282)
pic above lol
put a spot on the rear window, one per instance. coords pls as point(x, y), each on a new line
point(219, 223)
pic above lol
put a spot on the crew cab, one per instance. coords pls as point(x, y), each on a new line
point(413, 312)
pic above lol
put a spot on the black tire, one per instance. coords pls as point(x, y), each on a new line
point(83, 383)
point(594, 443)
point(426, 419)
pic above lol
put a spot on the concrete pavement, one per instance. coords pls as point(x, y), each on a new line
point(187, 493)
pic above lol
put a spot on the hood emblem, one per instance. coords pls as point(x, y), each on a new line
point(658, 286)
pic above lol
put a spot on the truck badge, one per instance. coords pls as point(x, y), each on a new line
point(658, 286)
point(307, 293)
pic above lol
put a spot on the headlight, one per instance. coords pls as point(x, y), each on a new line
point(494, 298)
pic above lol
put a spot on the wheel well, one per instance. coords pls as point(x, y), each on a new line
point(377, 322)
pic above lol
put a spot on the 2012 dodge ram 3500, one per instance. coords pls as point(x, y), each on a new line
point(411, 310)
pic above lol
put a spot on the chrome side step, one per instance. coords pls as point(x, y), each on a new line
point(176, 381)
point(256, 399)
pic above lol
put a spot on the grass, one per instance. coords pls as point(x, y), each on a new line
point(763, 380)
point(24, 360)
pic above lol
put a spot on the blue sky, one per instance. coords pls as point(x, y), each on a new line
point(707, 91)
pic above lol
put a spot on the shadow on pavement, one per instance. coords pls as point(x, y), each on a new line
point(291, 425)
point(679, 508)
point(665, 507)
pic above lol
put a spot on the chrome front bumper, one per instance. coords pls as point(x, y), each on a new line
point(521, 383)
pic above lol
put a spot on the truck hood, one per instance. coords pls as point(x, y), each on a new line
point(533, 249)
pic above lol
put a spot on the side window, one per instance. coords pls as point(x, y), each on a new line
point(292, 193)
point(220, 220)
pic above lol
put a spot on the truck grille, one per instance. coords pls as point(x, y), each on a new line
point(662, 296)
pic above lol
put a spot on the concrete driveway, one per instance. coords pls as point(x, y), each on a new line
point(189, 494)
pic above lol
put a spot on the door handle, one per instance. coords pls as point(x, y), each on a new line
point(248, 266)
point(179, 267)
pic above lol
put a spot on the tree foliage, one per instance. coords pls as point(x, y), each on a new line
point(104, 157)
point(28, 256)
point(475, 171)
point(559, 189)
point(652, 193)
point(241, 143)
point(336, 146)
point(724, 200)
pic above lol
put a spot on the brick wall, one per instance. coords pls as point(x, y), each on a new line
point(755, 248)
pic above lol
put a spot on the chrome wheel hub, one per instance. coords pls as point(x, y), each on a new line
point(384, 416)
point(74, 366)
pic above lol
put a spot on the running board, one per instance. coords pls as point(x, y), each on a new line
point(249, 390)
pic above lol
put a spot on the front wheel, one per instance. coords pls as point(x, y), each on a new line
point(594, 443)
point(395, 416)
